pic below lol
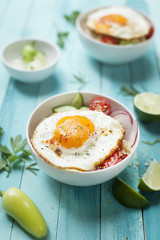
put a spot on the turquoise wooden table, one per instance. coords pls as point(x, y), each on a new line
point(77, 213)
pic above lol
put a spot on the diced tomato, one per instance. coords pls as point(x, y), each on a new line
point(123, 157)
point(109, 40)
point(100, 104)
point(151, 31)
point(114, 159)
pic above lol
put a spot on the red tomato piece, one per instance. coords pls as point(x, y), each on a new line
point(114, 159)
point(123, 157)
point(100, 104)
point(151, 31)
point(109, 40)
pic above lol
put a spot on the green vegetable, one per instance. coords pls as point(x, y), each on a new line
point(84, 108)
point(20, 207)
point(28, 52)
point(72, 18)
point(64, 108)
point(77, 100)
point(61, 37)
point(41, 57)
point(18, 154)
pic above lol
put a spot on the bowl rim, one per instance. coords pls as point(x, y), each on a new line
point(88, 37)
point(52, 45)
point(83, 172)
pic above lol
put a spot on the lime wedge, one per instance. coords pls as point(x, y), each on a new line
point(151, 179)
point(77, 100)
point(147, 106)
point(127, 196)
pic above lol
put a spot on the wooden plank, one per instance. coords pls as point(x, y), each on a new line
point(149, 80)
point(116, 220)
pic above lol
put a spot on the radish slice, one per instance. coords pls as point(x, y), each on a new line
point(130, 126)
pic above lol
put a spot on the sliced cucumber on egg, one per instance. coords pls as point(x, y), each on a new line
point(77, 100)
point(64, 108)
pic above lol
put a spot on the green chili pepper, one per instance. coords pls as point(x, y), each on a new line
point(20, 207)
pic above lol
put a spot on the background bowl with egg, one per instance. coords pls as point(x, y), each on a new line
point(116, 34)
point(73, 176)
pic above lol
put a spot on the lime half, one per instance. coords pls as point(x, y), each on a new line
point(147, 106)
point(127, 196)
point(151, 179)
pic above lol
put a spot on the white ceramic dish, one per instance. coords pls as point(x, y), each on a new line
point(119, 112)
point(109, 53)
point(14, 50)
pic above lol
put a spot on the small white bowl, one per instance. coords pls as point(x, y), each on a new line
point(109, 53)
point(119, 112)
point(14, 50)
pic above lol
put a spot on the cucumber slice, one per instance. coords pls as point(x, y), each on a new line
point(64, 108)
point(77, 100)
point(84, 108)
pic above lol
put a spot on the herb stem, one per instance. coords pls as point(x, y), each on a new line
point(151, 143)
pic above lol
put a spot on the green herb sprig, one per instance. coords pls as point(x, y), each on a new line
point(1, 131)
point(80, 80)
point(61, 36)
point(152, 143)
point(129, 91)
point(72, 17)
point(18, 154)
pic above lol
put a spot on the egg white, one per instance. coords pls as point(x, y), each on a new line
point(105, 140)
point(137, 25)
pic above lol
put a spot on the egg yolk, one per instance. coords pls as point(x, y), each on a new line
point(105, 23)
point(113, 18)
point(73, 131)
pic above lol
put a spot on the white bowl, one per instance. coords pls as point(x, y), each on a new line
point(109, 53)
point(119, 112)
point(14, 50)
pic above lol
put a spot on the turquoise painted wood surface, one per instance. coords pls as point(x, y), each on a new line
point(81, 213)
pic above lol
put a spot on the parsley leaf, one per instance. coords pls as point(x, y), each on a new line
point(72, 18)
point(18, 154)
point(18, 144)
point(61, 38)
point(32, 169)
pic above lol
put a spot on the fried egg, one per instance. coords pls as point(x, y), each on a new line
point(79, 140)
point(120, 22)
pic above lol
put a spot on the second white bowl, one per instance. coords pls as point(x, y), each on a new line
point(14, 50)
point(109, 53)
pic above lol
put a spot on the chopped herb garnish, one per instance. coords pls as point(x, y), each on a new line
point(61, 37)
point(17, 154)
point(72, 18)
point(151, 143)
point(1, 131)
point(129, 91)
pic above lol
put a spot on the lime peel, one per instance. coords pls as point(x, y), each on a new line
point(151, 179)
point(127, 196)
point(146, 106)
